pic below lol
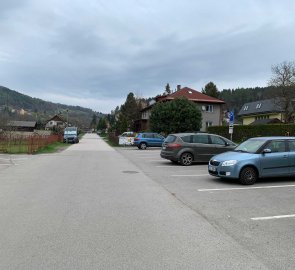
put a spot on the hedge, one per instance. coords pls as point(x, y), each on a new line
point(242, 133)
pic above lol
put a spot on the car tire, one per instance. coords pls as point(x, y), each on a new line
point(248, 176)
point(186, 159)
point(143, 146)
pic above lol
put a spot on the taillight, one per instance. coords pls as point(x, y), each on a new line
point(136, 139)
point(173, 145)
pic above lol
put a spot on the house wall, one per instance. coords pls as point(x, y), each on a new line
point(211, 118)
point(54, 123)
point(247, 120)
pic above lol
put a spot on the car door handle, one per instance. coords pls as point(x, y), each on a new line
point(285, 156)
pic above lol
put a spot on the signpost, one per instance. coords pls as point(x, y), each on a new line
point(231, 124)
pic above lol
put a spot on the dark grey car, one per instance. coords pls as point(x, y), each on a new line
point(186, 148)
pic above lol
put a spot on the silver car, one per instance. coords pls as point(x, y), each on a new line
point(256, 158)
point(186, 148)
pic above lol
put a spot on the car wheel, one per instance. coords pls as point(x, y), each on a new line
point(142, 146)
point(248, 176)
point(186, 159)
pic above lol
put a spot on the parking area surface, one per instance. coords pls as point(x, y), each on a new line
point(261, 218)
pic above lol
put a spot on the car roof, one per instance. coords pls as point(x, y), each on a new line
point(273, 138)
point(186, 133)
point(148, 133)
point(193, 133)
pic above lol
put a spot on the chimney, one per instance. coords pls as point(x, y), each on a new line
point(178, 87)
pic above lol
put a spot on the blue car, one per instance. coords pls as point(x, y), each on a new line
point(148, 139)
point(256, 158)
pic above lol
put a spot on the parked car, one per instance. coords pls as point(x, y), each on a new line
point(256, 158)
point(186, 148)
point(148, 139)
point(71, 135)
point(127, 138)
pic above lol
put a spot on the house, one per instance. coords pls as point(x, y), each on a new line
point(55, 122)
point(210, 107)
point(268, 109)
point(28, 126)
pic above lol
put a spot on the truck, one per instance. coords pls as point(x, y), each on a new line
point(71, 135)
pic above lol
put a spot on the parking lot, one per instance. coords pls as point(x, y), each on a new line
point(260, 218)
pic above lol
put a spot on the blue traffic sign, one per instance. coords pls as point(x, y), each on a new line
point(231, 117)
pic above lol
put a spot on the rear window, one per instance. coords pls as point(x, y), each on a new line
point(170, 139)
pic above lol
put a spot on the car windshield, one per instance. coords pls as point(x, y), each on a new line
point(250, 146)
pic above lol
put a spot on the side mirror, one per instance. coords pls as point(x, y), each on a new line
point(227, 144)
point(266, 150)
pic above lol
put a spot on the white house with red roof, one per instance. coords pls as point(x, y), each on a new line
point(210, 107)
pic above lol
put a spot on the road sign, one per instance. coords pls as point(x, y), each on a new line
point(231, 117)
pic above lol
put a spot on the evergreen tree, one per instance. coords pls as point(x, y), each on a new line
point(167, 89)
point(131, 111)
point(211, 90)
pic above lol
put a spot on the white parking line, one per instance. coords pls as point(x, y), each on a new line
point(165, 166)
point(188, 175)
point(229, 189)
point(273, 217)
point(13, 159)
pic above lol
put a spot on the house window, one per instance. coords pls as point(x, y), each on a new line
point(246, 108)
point(208, 124)
point(209, 108)
point(258, 106)
point(261, 117)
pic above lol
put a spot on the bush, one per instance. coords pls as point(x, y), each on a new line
point(242, 133)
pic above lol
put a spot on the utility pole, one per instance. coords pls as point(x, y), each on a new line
point(67, 117)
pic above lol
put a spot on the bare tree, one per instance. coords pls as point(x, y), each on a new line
point(283, 79)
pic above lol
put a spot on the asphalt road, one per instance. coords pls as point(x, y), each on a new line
point(95, 207)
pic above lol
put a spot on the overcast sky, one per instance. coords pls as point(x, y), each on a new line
point(92, 53)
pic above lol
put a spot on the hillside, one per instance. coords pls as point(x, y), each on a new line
point(17, 106)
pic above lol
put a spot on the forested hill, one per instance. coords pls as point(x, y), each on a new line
point(235, 98)
point(12, 101)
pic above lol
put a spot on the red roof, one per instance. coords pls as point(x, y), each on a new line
point(56, 118)
point(191, 95)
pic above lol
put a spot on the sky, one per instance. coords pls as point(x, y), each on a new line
point(92, 53)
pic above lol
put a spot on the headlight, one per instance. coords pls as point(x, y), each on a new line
point(229, 163)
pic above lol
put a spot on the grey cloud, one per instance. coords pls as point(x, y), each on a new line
point(106, 49)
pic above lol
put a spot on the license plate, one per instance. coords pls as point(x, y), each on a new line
point(212, 168)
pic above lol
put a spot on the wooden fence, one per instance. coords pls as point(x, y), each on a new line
point(11, 143)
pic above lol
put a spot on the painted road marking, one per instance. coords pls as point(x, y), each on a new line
point(8, 159)
point(273, 217)
point(229, 189)
point(190, 175)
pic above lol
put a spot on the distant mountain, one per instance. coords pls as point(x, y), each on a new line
point(17, 106)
